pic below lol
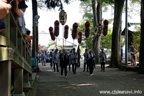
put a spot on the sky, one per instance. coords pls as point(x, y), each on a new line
point(48, 17)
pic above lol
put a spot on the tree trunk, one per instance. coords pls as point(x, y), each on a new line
point(94, 13)
point(141, 61)
point(35, 34)
point(97, 20)
point(98, 42)
point(116, 34)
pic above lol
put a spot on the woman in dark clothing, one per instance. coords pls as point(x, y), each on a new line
point(90, 62)
point(64, 60)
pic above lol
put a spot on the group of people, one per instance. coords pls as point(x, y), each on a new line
point(89, 60)
point(18, 8)
point(64, 59)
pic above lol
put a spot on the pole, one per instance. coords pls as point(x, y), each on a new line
point(126, 33)
point(33, 41)
point(63, 35)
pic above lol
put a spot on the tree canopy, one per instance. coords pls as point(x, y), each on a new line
point(52, 4)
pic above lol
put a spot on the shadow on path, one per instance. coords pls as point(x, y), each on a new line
point(110, 83)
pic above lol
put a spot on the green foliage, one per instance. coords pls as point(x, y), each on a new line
point(136, 38)
point(86, 42)
point(135, 1)
point(86, 5)
point(122, 40)
point(106, 40)
point(52, 4)
point(41, 4)
point(106, 1)
point(134, 9)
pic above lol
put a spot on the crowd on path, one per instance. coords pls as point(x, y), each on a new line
point(64, 59)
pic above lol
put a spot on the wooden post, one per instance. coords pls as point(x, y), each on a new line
point(5, 78)
point(26, 79)
point(18, 82)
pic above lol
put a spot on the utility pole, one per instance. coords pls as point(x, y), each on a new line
point(126, 33)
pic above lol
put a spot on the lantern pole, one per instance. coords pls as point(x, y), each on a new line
point(63, 34)
point(56, 42)
point(65, 42)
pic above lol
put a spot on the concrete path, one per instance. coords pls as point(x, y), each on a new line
point(113, 82)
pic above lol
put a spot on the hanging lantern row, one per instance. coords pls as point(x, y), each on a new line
point(51, 33)
point(56, 28)
point(74, 30)
point(105, 28)
point(66, 28)
point(79, 37)
point(63, 17)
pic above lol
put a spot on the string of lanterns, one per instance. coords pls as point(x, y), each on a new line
point(63, 19)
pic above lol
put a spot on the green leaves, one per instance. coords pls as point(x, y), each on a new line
point(51, 4)
point(136, 38)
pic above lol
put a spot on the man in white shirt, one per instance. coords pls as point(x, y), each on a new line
point(22, 7)
point(52, 57)
point(102, 56)
point(85, 60)
point(56, 60)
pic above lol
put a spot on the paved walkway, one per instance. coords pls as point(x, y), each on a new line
point(113, 82)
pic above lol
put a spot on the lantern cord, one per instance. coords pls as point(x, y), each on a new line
point(73, 42)
point(65, 42)
point(86, 43)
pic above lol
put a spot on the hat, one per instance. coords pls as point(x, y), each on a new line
point(22, 4)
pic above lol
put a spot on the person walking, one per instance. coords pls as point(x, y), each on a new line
point(64, 60)
point(56, 60)
point(70, 62)
point(85, 60)
point(94, 59)
point(102, 56)
point(121, 53)
point(43, 58)
point(133, 53)
point(51, 57)
point(90, 62)
point(59, 58)
point(74, 57)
